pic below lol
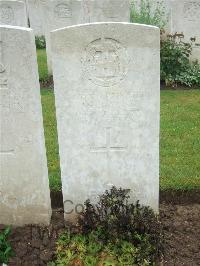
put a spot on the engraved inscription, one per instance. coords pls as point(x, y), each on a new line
point(105, 62)
point(6, 139)
point(6, 14)
point(3, 76)
point(191, 11)
point(63, 11)
point(6, 152)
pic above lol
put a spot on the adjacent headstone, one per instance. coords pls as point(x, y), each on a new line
point(58, 14)
point(62, 13)
point(35, 16)
point(107, 10)
point(186, 19)
point(13, 13)
point(107, 87)
point(24, 187)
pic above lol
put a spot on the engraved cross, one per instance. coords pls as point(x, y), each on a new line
point(6, 152)
point(108, 149)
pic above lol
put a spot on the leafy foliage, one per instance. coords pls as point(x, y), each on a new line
point(40, 42)
point(5, 248)
point(175, 62)
point(113, 232)
point(145, 13)
point(90, 250)
point(115, 218)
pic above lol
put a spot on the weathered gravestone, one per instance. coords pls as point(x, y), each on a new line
point(107, 99)
point(13, 13)
point(35, 16)
point(62, 13)
point(58, 14)
point(107, 10)
point(185, 18)
point(24, 188)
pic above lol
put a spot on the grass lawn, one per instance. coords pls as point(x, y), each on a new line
point(42, 64)
point(179, 138)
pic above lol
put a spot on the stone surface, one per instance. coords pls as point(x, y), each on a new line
point(35, 16)
point(62, 13)
point(107, 10)
point(185, 18)
point(13, 13)
point(58, 14)
point(107, 88)
point(24, 188)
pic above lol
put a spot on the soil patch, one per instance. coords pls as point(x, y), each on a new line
point(176, 87)
point(35, 245)
point(182, 234)
point(47, 84)
point(183, 197)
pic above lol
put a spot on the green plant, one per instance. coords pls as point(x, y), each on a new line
point(114, 218)
point(96, 253)
point(5, 248)
point(176, 67)
point(145, 13)
point(40, 42)
point(191, 75)
point(113, 232)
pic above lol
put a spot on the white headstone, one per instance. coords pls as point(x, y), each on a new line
point(107, 87)
point(62, 13)
point(13, 13)
point(186, 19)
point(58, 14)
point(35, 16)
point(24, 187)
point(107, 10)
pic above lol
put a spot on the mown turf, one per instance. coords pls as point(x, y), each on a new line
point(180, 140)
point(50, 130)
point(42, 64)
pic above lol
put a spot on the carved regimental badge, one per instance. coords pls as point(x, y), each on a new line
point(62, 11)
point(6, 14)
point(105, 62)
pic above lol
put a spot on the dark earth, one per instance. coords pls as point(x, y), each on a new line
point(179, 212)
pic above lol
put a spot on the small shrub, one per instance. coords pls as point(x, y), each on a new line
point(5, 248)
point(112, 232)
point(175, 62)
point(146, 14)
point(40, 42)
point(113, 217)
